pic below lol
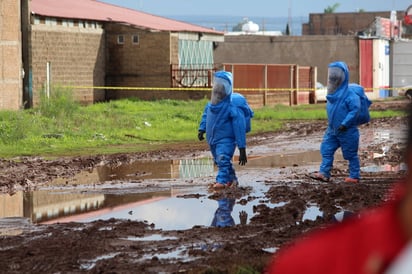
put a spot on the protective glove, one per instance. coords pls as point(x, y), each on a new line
point(243, 217)
point(242, 156)
point(200, 134)
point(342, 128)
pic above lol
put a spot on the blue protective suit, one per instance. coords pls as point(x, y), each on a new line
point(226, 124)
point(342, 108)
point(223, 214)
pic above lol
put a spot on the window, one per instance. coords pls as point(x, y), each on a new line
point(120, 39)
point(51, 21)
point(82, 24)
point(135, 39)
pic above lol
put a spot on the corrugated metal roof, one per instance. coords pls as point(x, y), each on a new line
point(99, 11)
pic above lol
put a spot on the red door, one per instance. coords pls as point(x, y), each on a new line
point(366, 64)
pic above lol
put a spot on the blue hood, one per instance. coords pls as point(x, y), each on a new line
point(226, 79)
point(225, 75)
point(343, 88)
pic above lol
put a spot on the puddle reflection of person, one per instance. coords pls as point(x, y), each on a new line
point(377, 241)
point(223, 214)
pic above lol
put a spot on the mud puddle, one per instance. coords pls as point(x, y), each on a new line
point(170, 207)
point(276, 199)
point(175, 209)
point(115, 191)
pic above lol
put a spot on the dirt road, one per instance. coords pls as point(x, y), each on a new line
point(124, 246)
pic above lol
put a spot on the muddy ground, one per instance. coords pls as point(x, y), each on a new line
point(104, 247)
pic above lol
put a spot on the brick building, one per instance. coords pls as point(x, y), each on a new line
point(11, 72)
point(370, 53)
point(89, 45)
point(345, 23)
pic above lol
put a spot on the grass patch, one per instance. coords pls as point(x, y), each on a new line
point(59, 126)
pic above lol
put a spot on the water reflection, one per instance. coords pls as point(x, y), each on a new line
point(373, 136)
point(385, 168)
point(115, 206)
point(312, 213)
point(172, 213)
point(283, 160)
point(343, 215)
point(163, 208)
point(223, 214)
point(168, 210)
point(160, 169)
point(13, 226)
point(55, 206)
point(182, 169)
point(154, 237)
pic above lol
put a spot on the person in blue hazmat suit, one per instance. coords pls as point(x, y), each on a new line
point(225, 120)
point(342, 107)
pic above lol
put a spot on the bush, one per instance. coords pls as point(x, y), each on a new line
point(59, 104)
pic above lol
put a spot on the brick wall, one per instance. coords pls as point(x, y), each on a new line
point(144, 62)
point(342, 23)
point(10, 55)
point(77, 58)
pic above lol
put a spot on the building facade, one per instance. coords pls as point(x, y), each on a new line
point(313, 51)
point(87, 46)
point(64, 53)
point(11, 66)
point(345, 23)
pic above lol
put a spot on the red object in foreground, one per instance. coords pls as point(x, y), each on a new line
point(368, 244)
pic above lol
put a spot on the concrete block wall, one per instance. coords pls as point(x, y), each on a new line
point(10, 55)
point(76, 56)
point(142, 64)
point(152, 95)
point(313, 50)
point(342, 23)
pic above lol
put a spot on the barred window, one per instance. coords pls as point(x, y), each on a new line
point(120, 39)
point(135, 39)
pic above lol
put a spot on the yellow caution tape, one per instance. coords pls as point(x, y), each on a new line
point(206, 89)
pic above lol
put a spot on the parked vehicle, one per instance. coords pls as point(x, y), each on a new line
point(320, 93)
point(406, 91)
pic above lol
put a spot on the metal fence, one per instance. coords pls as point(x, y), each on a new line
point(261, 84)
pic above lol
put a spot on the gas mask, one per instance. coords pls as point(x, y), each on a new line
point(219, 91)
point(336, 76)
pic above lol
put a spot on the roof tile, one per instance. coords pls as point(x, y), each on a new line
point(99, 11)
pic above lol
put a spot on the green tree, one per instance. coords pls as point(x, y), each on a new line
point(287, 31)
point(239, 26)
point(331, 9)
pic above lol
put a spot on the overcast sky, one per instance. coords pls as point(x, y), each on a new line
point(265, 8)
